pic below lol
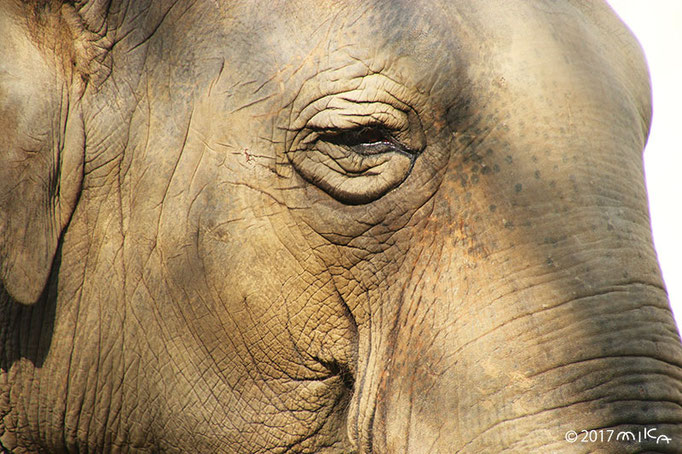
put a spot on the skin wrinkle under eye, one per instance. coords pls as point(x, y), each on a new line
point(341, 186)
point(336, 167)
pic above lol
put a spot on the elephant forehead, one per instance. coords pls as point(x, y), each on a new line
point(432, 48)
point(304, 39)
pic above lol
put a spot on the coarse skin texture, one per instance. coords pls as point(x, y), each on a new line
point(328, 227)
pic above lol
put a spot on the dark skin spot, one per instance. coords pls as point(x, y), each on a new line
point(550, 240)
point(463, 179)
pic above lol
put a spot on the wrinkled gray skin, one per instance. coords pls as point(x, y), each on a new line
point(359, 226)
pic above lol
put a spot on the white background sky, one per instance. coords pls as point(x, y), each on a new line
point(658, 26)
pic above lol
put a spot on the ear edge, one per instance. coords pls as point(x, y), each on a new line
point(39, 185)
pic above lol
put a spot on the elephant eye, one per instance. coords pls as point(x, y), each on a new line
point(367, 140)
point(362, 136)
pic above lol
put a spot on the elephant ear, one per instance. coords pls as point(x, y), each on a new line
point(41, 154)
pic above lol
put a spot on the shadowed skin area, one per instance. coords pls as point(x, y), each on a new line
point(359, 226)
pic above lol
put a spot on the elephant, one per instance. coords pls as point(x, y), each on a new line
point(326, 227)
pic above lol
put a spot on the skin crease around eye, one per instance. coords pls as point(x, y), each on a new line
point(354, 167)
point(350, 188)
point(355, 144)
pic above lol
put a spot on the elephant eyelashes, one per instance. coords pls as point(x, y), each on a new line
point(364, 141)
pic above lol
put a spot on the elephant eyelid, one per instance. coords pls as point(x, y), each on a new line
point(365, 139)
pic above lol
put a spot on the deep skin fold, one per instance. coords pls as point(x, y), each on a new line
point(205, 297)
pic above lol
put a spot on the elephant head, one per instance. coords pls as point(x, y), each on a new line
point(362, 226)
